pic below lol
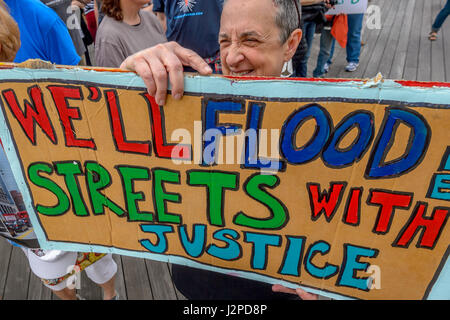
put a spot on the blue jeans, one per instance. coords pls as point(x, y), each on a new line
point(440, 18)
point(326, 41)
point(333, 43)
point(353, 38)
point(309, 28)
point(355, 22)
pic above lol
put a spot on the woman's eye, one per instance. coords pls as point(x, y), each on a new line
point(251, 41)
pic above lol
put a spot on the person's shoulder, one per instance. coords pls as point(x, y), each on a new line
point(109, 29)
point(152, 23)
point(148, 16)
point(47, 18)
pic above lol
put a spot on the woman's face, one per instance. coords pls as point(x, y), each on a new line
point(250, 39)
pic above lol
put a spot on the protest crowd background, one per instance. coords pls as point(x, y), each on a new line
point(400, 39)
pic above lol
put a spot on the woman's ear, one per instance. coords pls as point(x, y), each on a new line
point(292, 43)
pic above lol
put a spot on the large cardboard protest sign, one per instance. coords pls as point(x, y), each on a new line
point(339, 186)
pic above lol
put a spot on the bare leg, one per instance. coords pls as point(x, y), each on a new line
point(103, 273)
point(109, 289)
point(66, 294)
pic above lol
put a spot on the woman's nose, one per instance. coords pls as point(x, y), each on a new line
point(234, 56)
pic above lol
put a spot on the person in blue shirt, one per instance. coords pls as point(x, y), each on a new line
point(193, 25)
point(43, 35)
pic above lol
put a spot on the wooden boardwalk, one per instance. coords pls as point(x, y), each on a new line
point(400, 49)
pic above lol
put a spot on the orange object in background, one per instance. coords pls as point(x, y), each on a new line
point(339, 29)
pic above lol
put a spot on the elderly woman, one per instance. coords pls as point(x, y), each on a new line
point(124, 30)
point(9, 35)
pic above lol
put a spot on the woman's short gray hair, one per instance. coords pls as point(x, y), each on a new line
point(287, 17)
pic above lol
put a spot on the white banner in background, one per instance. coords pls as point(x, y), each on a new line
point(349, 7)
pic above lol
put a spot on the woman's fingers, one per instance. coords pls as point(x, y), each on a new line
point(162, 63)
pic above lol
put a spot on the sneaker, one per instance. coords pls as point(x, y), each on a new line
point(326, 67)
point(352, 66)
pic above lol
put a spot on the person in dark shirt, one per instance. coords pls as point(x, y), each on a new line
point(193, 25)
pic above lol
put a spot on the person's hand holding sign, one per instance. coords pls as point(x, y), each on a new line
point(154, 64)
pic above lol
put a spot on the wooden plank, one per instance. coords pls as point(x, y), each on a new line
point(5, 256)
point(136, 279)
point(16, 287)
point(371, 40)
point(120, 280)
point(412, 53)
point(390, 51)
point(89, 290)
point(180, 296)
point(37, 290)
point(160, 280)
point(398, 64)
point(373, 66)
point(424, 62)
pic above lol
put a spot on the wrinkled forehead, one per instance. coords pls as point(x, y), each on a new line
point(237, 6)
point(251, 15)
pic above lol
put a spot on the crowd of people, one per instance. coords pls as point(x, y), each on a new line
point(159, 40)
